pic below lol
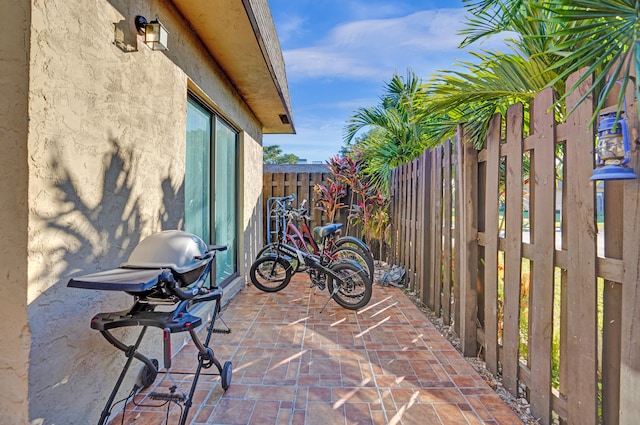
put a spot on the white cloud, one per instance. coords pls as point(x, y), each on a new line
point(375, 48)
point(290, 28)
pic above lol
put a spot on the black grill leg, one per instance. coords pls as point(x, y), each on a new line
point(131, 353)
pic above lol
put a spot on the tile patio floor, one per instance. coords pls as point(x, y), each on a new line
point(292, 364)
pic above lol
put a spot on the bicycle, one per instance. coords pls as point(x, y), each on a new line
point(347, 281)
point(330, 247)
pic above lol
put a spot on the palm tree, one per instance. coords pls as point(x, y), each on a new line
point(478, 90)
point(396, 130)
point(602, 35)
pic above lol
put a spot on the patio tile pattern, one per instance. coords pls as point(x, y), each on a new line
point(297, 364)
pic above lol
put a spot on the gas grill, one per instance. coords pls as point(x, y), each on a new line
point(169, 268)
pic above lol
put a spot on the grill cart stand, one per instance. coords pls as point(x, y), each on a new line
point(159, 275)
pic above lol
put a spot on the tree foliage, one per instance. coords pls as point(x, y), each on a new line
point(476, 90)
point(273, 155)
point(545, 42)
point(396, 130)
point(601, 36)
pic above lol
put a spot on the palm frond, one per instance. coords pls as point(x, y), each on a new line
point(489, 17)
point(599, 36)
point(477, 91)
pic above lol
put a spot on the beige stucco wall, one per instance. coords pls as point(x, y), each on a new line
point(14, 329)
point(106, 148)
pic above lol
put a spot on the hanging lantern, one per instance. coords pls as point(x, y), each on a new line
point(613, 150)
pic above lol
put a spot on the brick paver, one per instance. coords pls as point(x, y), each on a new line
point(295, 364)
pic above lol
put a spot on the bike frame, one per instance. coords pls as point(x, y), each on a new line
point(292, 232)
point(301, 236)
point(310, 260)
point(298, 237)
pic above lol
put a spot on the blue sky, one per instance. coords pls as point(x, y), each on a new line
point(340, 53)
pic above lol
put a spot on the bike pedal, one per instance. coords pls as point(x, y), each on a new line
point(221, 331)
point(167, 396)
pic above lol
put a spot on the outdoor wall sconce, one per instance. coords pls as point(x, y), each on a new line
point(155, 34)
point(613, 151)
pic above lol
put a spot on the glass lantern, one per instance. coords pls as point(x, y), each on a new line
point(613, 151)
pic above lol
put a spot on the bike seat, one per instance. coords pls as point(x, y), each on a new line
point(324, 231)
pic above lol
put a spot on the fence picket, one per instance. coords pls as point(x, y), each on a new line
point(512, 247)
point(434, 248)
point(491, 244)
point(468, 163)
point(436, 229)
point(581, 271)
point(426, 216)
point(457, 252)
point(412, 187)
point(446, 195)
point(543, 240)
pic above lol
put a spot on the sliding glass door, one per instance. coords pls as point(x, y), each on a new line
point(211, 187)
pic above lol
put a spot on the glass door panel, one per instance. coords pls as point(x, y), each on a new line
point(226, 199)
point(197, 181)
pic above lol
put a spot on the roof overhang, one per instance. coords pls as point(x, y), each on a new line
point(241, 37)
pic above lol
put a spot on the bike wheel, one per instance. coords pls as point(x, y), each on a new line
point(270, 249)
point(352, 290)
point(270, 274)
point(354, 242)
point(352, 253)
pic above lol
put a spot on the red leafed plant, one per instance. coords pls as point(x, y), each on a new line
point(328, 198)
point(371, 213)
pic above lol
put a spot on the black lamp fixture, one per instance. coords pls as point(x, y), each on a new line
point(155, 34)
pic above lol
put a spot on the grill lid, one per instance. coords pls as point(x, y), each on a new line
point(173, 249)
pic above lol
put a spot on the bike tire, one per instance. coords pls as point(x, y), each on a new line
point(357, 255)
point(354, 290)
point(270, 274)
point(354, 242)
point(270, 249)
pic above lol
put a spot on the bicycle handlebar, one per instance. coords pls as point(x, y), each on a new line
point(284, 208)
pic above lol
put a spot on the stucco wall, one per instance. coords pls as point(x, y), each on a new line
point(106, 166)
point(14, 329)
point(252, 203)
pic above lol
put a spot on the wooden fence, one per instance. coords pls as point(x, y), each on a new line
point(518, 263)
point(299, 180)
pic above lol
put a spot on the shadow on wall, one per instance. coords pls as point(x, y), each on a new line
point(71, 366)
point(253, 236)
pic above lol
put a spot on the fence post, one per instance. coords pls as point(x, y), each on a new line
point(467, 217)
point(630, 362)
